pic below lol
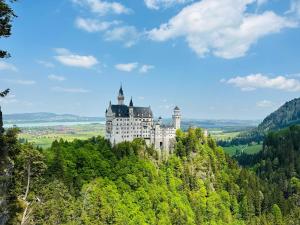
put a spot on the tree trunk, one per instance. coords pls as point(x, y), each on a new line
point(25, 217)
point(28, 182)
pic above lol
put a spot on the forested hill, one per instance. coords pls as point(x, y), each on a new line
point(286, 115)
point(89, 182)
point(279, 164)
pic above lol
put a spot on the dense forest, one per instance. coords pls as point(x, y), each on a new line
point(91, 182)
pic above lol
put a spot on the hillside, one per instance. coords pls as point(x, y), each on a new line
point(131, 184)
point(285, 116)
point(279, 164)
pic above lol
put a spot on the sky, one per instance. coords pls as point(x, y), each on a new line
point(215, 59)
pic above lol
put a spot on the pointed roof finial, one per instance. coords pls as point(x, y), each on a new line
point(121, 93)
point(131, 102)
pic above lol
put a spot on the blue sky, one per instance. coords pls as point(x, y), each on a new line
point(216, 59)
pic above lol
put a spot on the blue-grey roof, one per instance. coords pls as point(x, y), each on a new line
point(121, 93)
point(123, 111)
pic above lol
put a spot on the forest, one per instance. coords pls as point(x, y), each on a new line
point(91, 182)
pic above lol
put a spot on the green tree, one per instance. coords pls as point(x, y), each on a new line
point(6, 17)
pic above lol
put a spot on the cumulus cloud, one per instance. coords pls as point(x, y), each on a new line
point(126, 67)
point(56, 78)
point(7, 66)
point(157, 4)
point(221, 27)
point(145, 68)
point(295, 7)
point(102, 8)
point(256, 81)
point(70, 90)
point(126, 34)
point(261, 2)
point(68, 58)
point(94, 25)
point(265, 104)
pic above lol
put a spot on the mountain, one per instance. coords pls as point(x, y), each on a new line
point(285, 116)
point(46, 117)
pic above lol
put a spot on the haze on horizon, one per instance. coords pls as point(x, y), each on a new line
point(229, 60)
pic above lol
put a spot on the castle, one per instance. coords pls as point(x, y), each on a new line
point(125, 123)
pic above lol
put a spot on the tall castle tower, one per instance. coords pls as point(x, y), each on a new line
point(121, 96)
point(176, 118)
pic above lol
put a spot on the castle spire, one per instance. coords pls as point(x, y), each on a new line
point(131, 103)
point(121, 96)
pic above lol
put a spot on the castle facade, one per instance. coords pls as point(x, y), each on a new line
point(127, 122)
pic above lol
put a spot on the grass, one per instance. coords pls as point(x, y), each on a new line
point(249, 149)
point(44, 136)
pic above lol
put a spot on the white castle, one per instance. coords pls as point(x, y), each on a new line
point(125, 123)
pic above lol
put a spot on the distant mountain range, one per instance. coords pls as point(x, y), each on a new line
point(22, 118)
point(46, 117)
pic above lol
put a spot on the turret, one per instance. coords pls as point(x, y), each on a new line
point(131, 103)
point(159, 120)
point(121, 96)
point(131, 108)
point(176, 118)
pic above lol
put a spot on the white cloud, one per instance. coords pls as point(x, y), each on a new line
point(70, 90)
point(145, 68)
point(221, 27)
point(127, 34)
point(265, 104)
point(295, 7)
point(56, 78)
point(141, 98)
point(7, 66)
point(45, 63)
point(261, 2)
point(94, 25)
point(157, 4)
point(69, 59)
point(102, 8)
point(255, 81)
point(126, 67)
point(19, 81)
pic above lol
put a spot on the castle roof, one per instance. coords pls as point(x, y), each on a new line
point(123, 111)
point(176, 108)
point(121, 93)
point(131, 103)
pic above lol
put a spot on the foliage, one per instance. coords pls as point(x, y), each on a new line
point(6, 17)
point(91, 182)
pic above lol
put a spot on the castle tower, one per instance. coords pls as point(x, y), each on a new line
point(121, 96)
point(131, 108)
point(1, 122)
point(176, 118)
